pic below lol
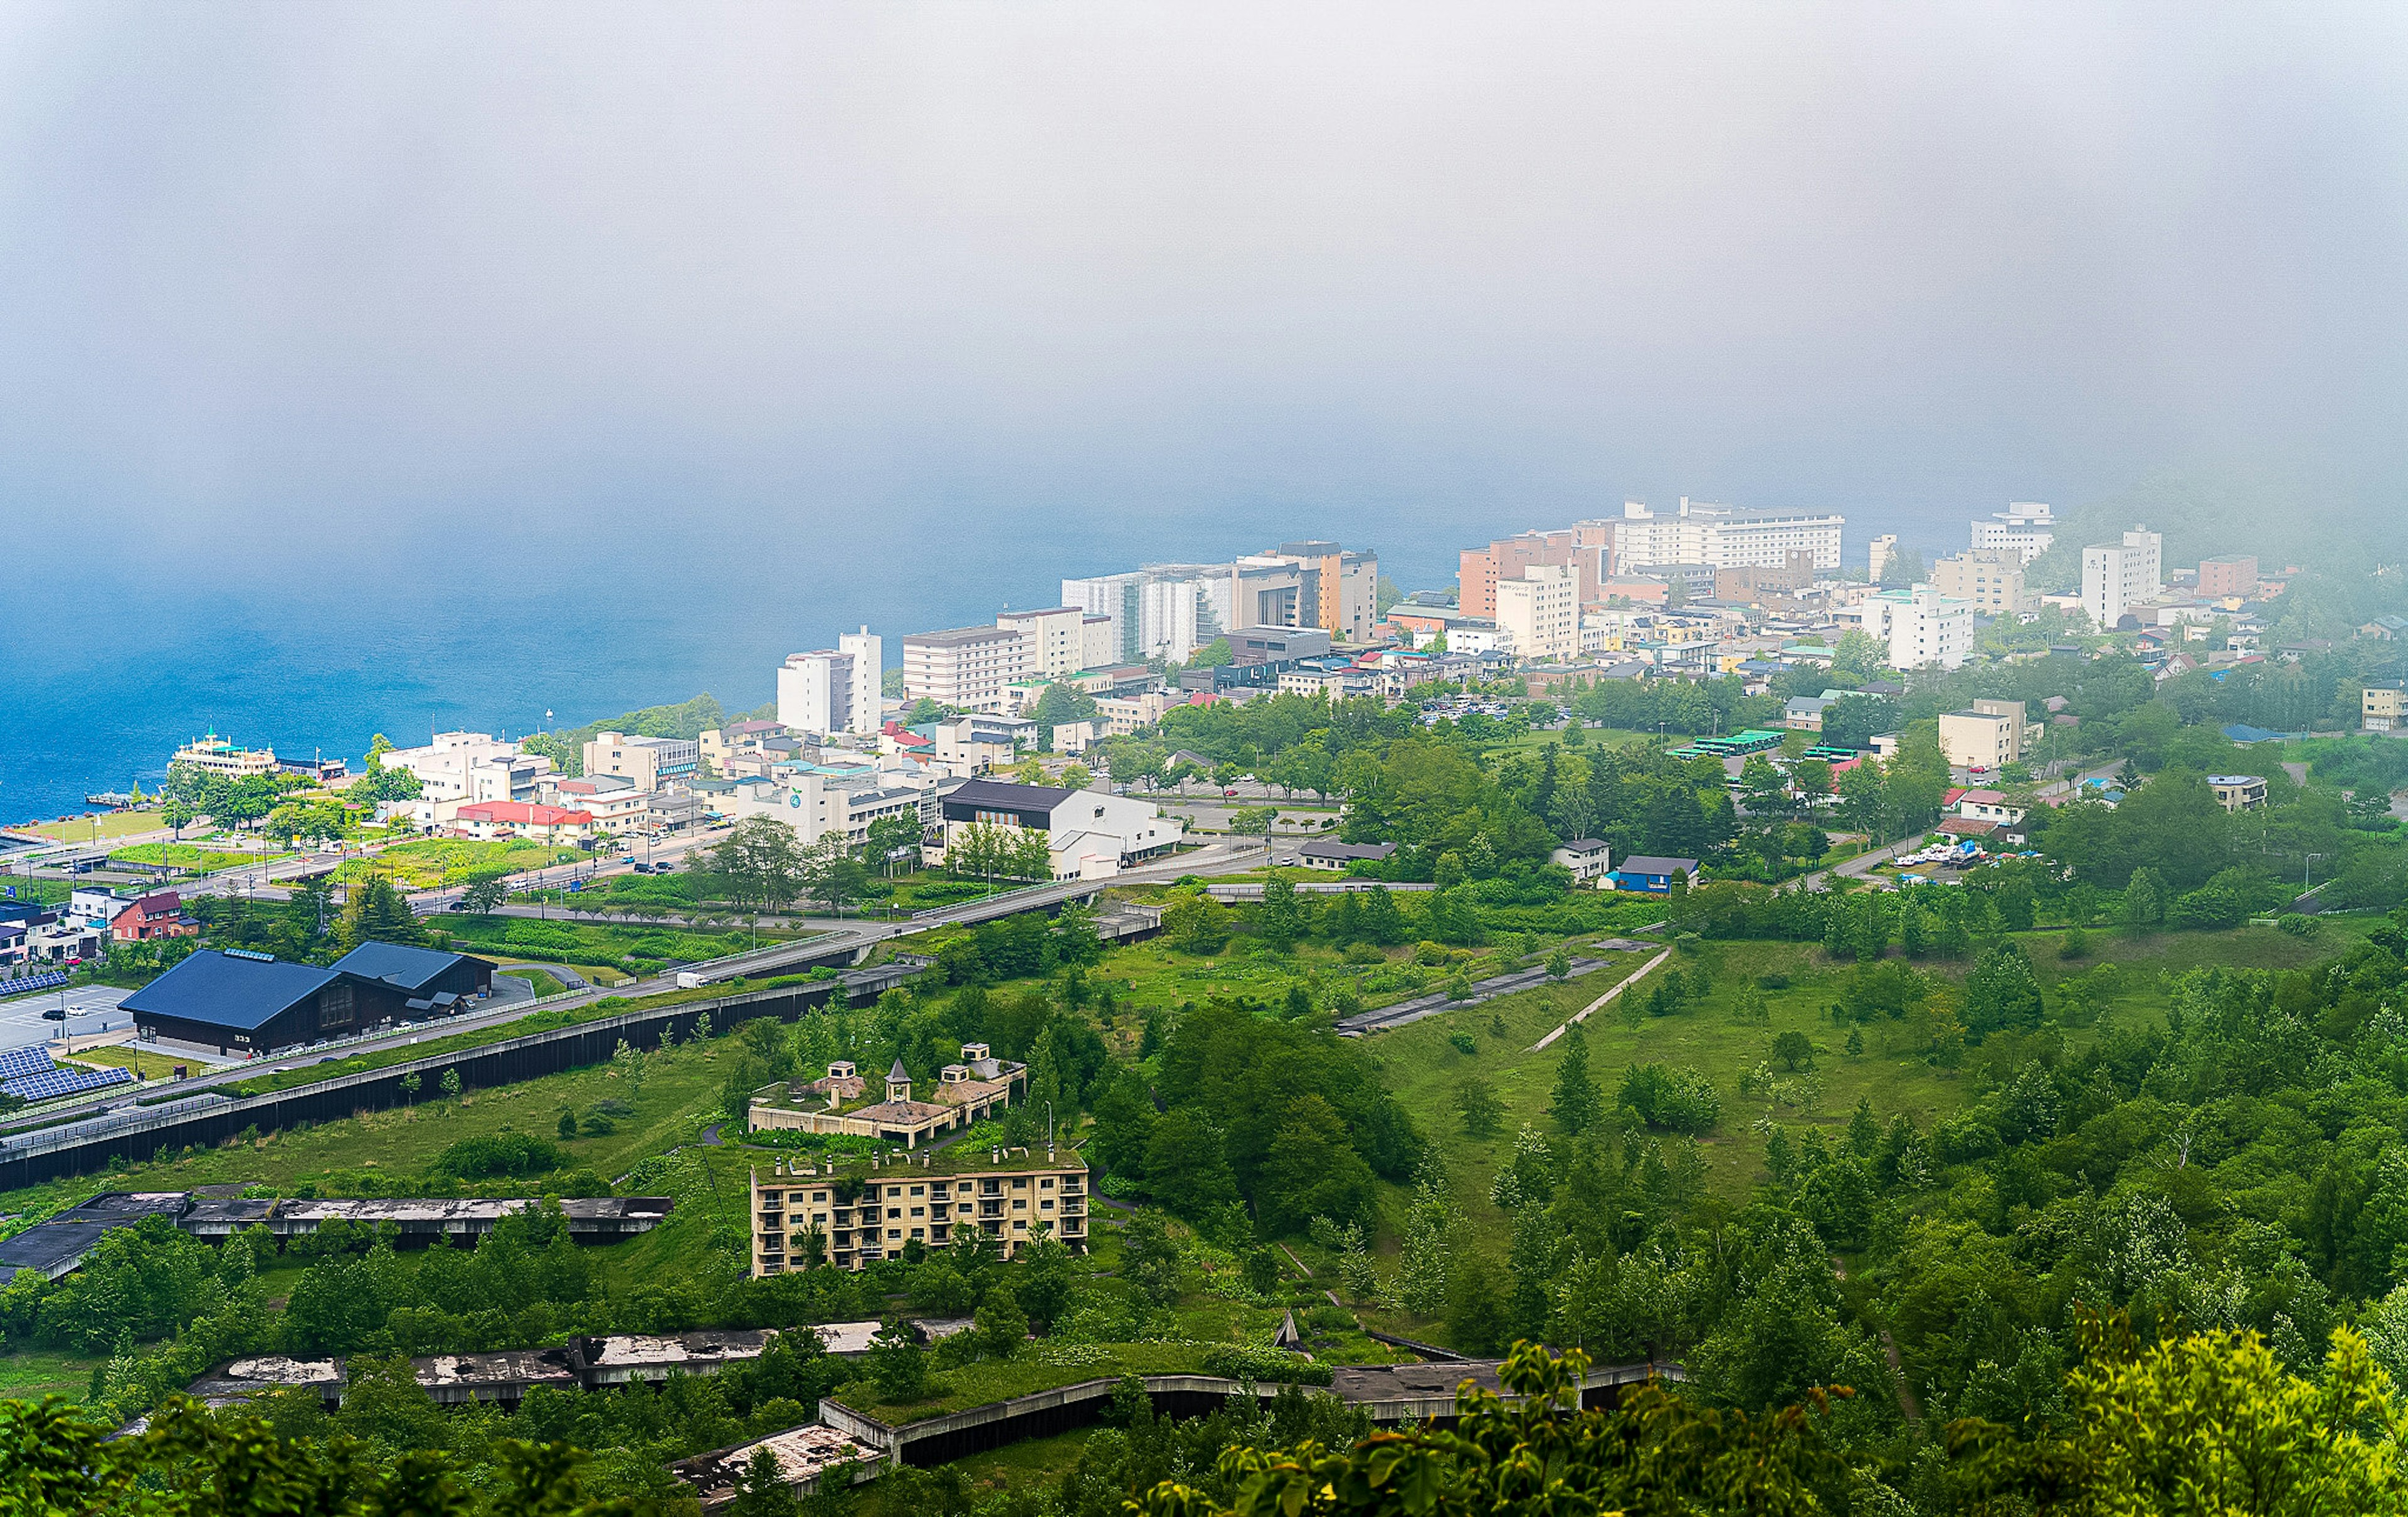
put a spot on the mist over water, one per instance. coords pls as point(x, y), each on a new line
point(366, 369)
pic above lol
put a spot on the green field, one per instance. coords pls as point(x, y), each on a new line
point(114, 824)
point(31, 1374)
point(431, 863)
point(146, 1064)
point(190, 856)
point(573, 943)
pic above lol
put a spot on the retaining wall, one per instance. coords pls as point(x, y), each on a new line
point(49, 1153)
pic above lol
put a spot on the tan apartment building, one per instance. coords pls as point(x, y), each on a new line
point(647, 761)
point(1538, 615)
point(854, 1212)
point(1992, 579)
point(2381, 706)
point(977, 1087)
point(1584, 549)
point(1991, 734)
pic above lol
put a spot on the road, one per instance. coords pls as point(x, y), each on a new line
point(850, 937)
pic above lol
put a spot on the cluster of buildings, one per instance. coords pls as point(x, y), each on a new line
point(87, 924)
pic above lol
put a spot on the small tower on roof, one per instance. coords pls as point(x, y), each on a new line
point(898, 1082)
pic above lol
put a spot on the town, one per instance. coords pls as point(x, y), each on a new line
point(1236, 978)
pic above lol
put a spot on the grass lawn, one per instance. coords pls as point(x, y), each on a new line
point(586, 942)
point(677, 1091)
point(1035, 1463)
point(427, 863)
point(191, 856)
point(31, 1374)
point(114, 824)
point(539, 980)
point(146, 1064)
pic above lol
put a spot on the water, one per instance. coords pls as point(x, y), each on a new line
point(108, 670)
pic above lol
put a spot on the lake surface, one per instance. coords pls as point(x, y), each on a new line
point(108, 671)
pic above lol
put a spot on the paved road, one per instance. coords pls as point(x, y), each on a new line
point(852, 937)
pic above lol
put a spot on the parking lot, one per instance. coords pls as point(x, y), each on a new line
point(91, 1008)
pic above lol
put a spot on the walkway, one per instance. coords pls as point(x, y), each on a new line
point(1583, 1014)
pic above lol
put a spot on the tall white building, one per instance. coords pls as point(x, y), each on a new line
point(1726, 536)
point(833, 689)
point(1921, 626)
point(2025, 528)
point(1538, 616)
point(1162, 610)
point(967, 667)
point(2118, 576)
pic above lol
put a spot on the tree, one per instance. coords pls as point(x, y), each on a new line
point(483, 896)
point(1279, 921)
point(2145, 900)
point(1032, 854)
point(1794, 1051)
point(1559, 963)
point(2002, 991)
point(1483, 1112)
point(894, 839)
point(828, 870)
point(1001, 1327)
point(762, 1490)
point(1077, 775)
point(450, 1083)
point(1254, 818)
point(897, 1367)
point(1576, 1103)
point(761, 861)
point(1149, 1258)
point(1030, 770)
point(379, 913)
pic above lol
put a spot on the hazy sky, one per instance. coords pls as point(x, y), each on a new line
point(325, 281)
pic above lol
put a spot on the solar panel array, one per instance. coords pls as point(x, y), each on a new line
point(28, 985)
point(61, 1080)
point(32, 1059)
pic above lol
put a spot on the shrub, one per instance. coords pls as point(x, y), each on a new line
point(1670, 1096)
point(498, 1156)
point(1464, 1042)
point(1237, 1361)
point(2296, 924)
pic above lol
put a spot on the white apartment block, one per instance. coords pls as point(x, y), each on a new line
point(1538, 616)
point(1920, 626)
point(1726, 536)
point(967, 667)
point(833, 689)
point(1099, 642)
point(1056, 638)
point(2118, 576)
point(2025, 530)
point(1990, 578)
point(1163, 610)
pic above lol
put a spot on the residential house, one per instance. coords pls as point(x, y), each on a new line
point(2237, 792)
point(2383, 704)
point(1329, 853)
point(159, 914)
point(522, 819)
point(1652, 874)
point(1589, 860)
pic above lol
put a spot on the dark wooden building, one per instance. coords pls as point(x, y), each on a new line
point(240, 1002)
point(436, 982)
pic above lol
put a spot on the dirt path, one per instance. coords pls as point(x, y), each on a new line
point(1583, 1014)
point(1906, 1400)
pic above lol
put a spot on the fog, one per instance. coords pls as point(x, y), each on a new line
point(830, 288)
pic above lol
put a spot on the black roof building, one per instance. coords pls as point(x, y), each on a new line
point(240, 1002)
point(436, 982)
point(1031, 806)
